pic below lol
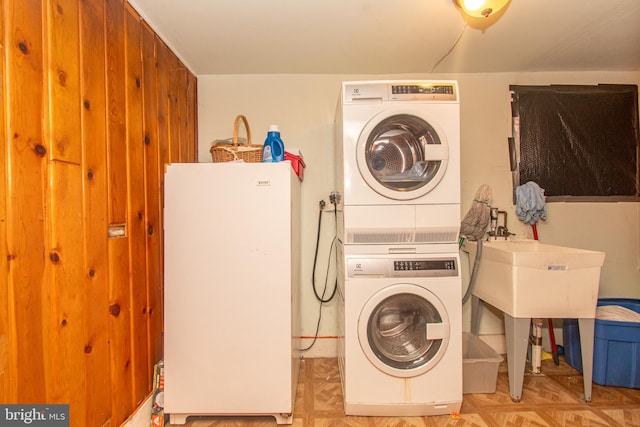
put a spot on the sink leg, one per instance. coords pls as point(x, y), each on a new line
point(586, 346)
point(476, 311)
point(517, 336)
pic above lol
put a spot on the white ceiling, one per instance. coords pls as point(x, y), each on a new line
point(395, 36)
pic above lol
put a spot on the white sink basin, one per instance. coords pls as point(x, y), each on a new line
point(526, 278)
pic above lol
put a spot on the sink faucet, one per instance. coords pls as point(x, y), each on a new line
point(498, 230)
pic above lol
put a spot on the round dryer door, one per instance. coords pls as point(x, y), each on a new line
point(401, 156)
point(404, 330)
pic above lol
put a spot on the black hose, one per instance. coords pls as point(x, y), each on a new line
point(315, 261)
point(313, 278)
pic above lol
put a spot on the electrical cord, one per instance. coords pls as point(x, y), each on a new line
point(321, 298)
point(315, 259)
point(455, 43)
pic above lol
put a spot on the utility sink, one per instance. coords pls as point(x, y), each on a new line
point(526, 278)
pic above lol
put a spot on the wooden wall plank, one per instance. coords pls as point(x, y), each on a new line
point(174, 107)
point(94, 165)
point(63, 80)
point(163, 53)
point(192, 98)
point(120, 330)
point(136, 215)
point(116, 131)
point(162, 79)
point(163, 147)
point(119, 262)
point(152, 191)
point(66, 374)
point(6, 335)
point(183, 111)
point(63, 286)
point(27, 176)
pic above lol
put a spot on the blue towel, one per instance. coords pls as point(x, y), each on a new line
point(530, 203)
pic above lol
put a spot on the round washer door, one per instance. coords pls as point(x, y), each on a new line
point(404, 330)
point(401, 156)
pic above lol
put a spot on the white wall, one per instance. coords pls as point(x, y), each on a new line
point(304, 106)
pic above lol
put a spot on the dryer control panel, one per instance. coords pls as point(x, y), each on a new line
point(423, 91)
point(423, 267)
point(400, 90)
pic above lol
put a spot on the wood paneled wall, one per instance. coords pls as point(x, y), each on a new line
point(93, 105)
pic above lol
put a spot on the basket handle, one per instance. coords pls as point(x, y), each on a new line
point(236, 125)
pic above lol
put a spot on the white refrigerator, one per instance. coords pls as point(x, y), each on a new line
point(232, 280)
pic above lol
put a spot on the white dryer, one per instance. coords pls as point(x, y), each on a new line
point(400, 334)
point(398, 161)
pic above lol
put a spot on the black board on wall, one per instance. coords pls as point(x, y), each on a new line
point(577, 141)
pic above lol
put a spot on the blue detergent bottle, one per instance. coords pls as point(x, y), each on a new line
point(273, 149)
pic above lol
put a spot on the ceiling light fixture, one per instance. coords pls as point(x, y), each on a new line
point(480, 8)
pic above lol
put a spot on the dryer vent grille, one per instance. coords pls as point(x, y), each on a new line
point(431, 235)
point(437, 235)
point(380, 237)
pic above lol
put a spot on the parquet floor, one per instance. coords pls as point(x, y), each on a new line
point(553, 398)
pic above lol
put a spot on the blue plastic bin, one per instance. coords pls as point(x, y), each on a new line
point(616, 347)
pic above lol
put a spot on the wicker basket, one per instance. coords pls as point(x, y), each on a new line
point(250, 153)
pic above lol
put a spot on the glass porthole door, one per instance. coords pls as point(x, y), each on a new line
point(404, 330)
point(402, 156)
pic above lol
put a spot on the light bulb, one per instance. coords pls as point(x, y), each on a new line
point(480, 8)
point(473, 4)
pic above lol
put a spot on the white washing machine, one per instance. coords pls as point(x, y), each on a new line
point(398, 161)
point(400, 334)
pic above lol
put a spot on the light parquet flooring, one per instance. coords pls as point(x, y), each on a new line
point(553, 398)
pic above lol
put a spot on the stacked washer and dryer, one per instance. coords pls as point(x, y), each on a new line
point(399, 283)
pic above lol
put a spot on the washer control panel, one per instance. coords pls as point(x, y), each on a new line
point(422, 267)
